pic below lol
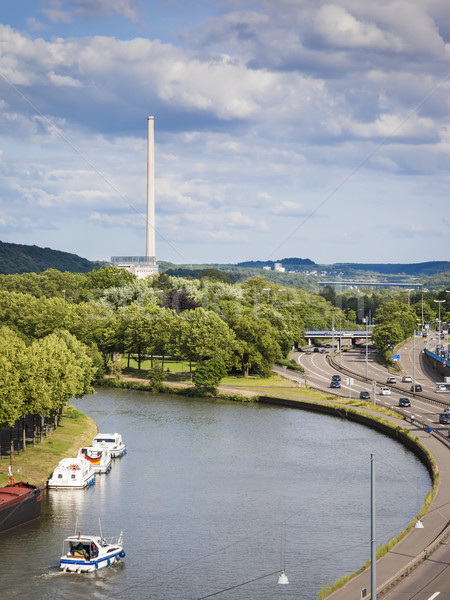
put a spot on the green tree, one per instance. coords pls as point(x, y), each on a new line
point(102, 279)
point(208, 374)
point(256, 348)
point(13, 375)
point(389, 334)
point(155, 376)
point(202, 335)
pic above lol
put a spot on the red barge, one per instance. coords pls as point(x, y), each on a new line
point(19, 503)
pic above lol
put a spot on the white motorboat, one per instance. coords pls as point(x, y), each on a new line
point(112, 441)
point(98, 457)
point(89, 553)
point(72, 473)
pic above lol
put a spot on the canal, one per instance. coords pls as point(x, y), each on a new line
point(214, 498)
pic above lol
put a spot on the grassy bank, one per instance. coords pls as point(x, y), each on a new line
point(37, 463)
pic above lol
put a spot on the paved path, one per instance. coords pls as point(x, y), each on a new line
point(416, 540)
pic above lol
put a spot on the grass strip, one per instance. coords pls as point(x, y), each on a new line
point(38, 462)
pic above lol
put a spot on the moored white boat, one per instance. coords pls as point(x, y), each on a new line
point(98, 457)
point(89, 553)
point(112, 441)
point(72, 473)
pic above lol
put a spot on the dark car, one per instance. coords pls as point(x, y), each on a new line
point(444, 418)
point(364, 395)
point(316, 350)
point(418, 388)
point(336, 378)
point(404, 402)
point(335, 384)
point(323, 351)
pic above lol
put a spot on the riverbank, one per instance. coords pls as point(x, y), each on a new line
point(38, 462)
point(395, 562)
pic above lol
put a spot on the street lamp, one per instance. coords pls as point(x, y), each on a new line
point(409, 296)
point(423, 324)
point(365, 320)
point(439, 303)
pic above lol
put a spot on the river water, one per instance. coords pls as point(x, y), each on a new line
point(214, 498)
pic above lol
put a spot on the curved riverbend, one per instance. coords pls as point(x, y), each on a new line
point(202, 495)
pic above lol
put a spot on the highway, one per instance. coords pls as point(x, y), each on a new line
point(431, 579)
point(426, 406)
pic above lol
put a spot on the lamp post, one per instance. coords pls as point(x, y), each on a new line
point(367, 347)
point(409, 296)
point(439, 323)
point(373, 549)
point(423, 324)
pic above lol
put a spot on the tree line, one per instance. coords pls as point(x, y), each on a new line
point(39, 376)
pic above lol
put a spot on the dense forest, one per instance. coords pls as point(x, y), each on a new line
point(17, 258)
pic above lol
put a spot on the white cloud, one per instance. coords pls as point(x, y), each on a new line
point(63, 80)
point(291, 209)
point(340, 28)
point(255, 109)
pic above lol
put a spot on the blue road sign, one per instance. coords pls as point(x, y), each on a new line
point(396, 357)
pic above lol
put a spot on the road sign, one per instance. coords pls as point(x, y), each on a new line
point(396, 357)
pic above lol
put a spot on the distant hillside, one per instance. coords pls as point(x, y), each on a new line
point(425, 268)
point(17, 258)
point(291, 264)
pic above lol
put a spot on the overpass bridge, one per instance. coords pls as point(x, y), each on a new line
point(326, 334)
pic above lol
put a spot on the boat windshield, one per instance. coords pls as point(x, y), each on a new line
point(83, 549)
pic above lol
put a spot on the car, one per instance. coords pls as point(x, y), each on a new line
point(308, 352)
point(323, 351)
point(385, 391)
point(404, 402)
point(316, 350)
point(336, 378)
point(444, 418)
point(416, 388)
point(391, 380)
point(364, 395)
point(406, 379)
point(335, 384)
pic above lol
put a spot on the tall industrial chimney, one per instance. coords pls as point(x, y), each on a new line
point(150, 250)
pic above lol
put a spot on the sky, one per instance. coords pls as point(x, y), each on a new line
point(295, 128)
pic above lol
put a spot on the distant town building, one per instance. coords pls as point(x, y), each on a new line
point(279, 267)
point(267, 268)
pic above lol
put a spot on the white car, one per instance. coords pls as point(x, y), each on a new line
point(406, 379)
point(385, 391)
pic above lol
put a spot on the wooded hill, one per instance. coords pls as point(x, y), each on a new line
point(18, 258)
